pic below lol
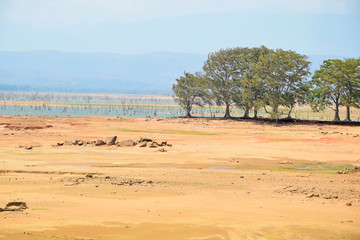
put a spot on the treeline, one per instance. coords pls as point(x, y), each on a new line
point(273, 80)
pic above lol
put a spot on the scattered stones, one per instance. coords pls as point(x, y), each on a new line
point(162, 150)
point(347, 171)
point(111, 140)
point(129, 182)
point(330, 197)
point(14, 206)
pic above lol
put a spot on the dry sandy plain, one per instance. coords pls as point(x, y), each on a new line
point(221, 179)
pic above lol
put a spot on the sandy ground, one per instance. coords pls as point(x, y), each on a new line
point(221, 179)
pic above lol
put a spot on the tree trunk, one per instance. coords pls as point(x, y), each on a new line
point(289, 114)
point(227, 111)
point(336, 117)
point(188, 111)
point(246, 113)
point(348, 118)
point(255, 114)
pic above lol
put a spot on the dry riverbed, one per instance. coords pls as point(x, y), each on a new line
point(213, 179)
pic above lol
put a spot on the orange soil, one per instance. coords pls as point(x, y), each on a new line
point(181, 195)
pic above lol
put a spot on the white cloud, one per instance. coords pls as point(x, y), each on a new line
point(42, 13)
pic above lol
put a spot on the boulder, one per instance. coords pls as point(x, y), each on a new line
point(111, 140)
point(154, 145)
point(285, 162)
point(28, 146)
point(145, 140)
point(99, 142)
point(75, 142)
point(142, 144)
point(15, 206)
point(127, 143)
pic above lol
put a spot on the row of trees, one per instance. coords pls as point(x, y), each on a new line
point(255, 78)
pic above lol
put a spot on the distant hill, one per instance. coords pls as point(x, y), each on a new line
point(152, 73)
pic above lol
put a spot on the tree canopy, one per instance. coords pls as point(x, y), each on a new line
point(276, 80)
point(188, 91)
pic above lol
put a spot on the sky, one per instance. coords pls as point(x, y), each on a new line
point(322, 27)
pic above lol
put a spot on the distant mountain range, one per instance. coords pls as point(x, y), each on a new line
point(55, 71)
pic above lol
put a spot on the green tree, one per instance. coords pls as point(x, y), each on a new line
point(250, 85)
point(219, 69)
point(188, 91)
point(350, 96)
point(285, 74)
point(327, 87)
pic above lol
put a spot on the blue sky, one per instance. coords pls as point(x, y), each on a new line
point(325, 27)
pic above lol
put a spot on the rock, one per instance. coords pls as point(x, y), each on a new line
point(15, 206)
point(154, 145)
point(28, 147)
point(162, 150)
point(145, 140)
point(80, 142)
point(67, 143)
point(60, 144)
point(75, 142)
point(89, 176)
point(91, 142)
point(99, 142)
point(313, 195)
point(163, 143)
point(285, 162)
point(169, 145)
point(127, 143)
point(111, 140)
point(142, 144)
point(349, 204)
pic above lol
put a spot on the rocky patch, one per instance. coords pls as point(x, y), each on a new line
point(111, 141)
point(14, 206)
point(348, 171)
